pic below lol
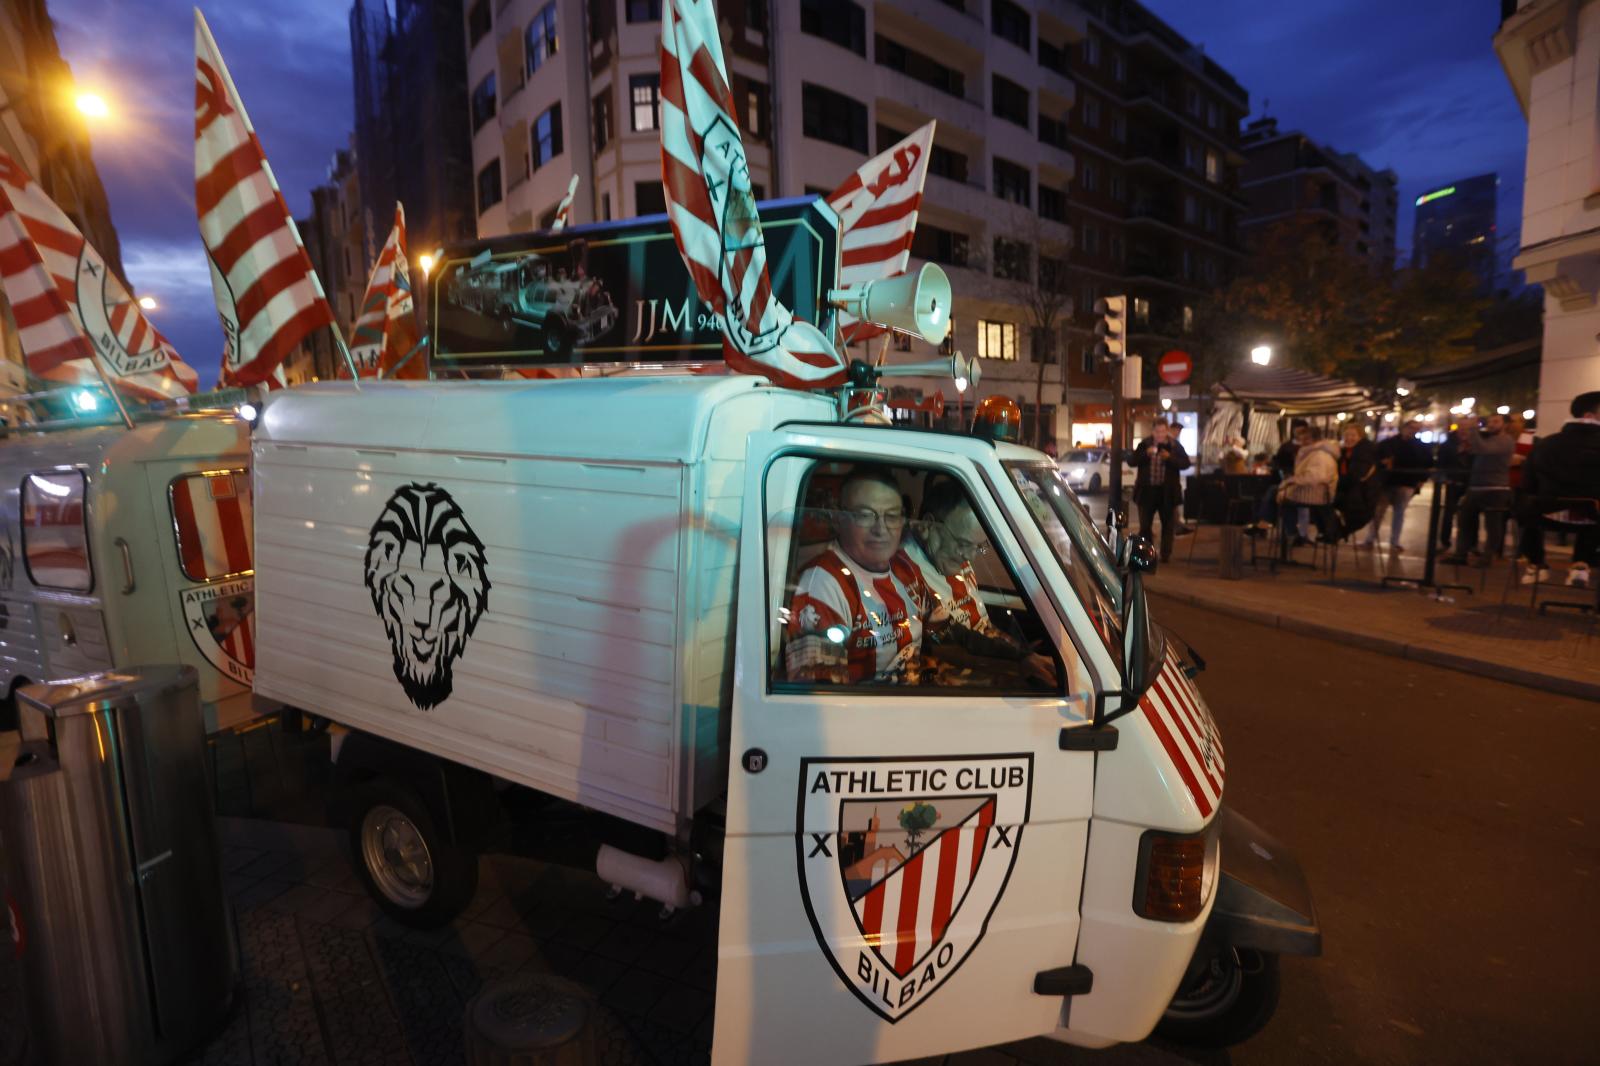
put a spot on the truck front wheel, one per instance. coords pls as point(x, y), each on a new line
point(408, 866)
point(1224, 1002)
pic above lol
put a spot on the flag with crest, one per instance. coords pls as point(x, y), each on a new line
point(713, 213)
point(386, 331)
point(76, 321)
point(877, 208)
point(565, 209)
point(266, 291)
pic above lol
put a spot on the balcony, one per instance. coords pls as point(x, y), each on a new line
point(947, 17)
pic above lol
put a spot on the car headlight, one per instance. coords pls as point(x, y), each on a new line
point(1075, 475)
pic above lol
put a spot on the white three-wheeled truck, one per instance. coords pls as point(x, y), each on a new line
point(583, 587)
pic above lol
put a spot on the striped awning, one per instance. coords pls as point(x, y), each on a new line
point(1293, 392)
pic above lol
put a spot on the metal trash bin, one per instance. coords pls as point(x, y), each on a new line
point(114, 866)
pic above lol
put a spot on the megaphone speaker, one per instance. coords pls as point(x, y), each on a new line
point(915, 303)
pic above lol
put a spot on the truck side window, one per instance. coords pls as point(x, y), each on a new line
point(886, 576)
point(55, 537)
point(211, 513)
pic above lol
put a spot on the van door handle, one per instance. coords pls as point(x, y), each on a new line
point(127, 565)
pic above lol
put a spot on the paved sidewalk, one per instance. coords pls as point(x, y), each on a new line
point(1489, 630)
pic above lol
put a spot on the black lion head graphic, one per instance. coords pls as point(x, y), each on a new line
point(426, 572)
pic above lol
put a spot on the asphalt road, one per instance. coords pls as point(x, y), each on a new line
point(1448, 826)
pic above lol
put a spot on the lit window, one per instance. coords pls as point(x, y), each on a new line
point(997, 340)
point(1213, 167)
point(645, 92)
point(547, 136)
point(1141, 309)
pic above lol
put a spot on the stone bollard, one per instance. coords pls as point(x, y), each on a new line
point(531, 1020)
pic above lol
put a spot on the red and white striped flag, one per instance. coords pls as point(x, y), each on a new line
point(70, 307)
point(877, 208)
point(267, 294)
point(565, 208)
point(386, 331)
point(713, 213)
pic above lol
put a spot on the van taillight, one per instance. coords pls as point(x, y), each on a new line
point(1175, 875)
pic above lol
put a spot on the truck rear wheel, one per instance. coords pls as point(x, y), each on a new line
point(408, 866)
point(1225, 1002)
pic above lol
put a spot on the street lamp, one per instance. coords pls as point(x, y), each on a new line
point(148, 303)
point(425, 263)
point(1261, 354)
point(92, 105)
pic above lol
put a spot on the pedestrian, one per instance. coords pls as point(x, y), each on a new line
point(1282, 465)
point(1453, 465)
point(1311, 487)
point(1488, 491)
point(1405, 462)
point(1356, 497)
point(1157, 485)
point(1564, 466)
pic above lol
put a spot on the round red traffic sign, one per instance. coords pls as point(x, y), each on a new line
point(1175, 367)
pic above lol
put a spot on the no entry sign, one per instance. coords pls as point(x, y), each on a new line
point(1175, 367)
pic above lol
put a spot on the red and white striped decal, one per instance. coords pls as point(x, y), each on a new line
point(713, 214)
point(212, 513)
point(1188, 735)
point(267, 294)
point(877, 208)
point(240, 644)
point(906, 913)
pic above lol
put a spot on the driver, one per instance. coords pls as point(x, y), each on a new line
point(858, 608)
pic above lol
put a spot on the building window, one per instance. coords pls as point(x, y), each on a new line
point(1188, 318)
point(1012, 182)
point(648, 198)
point(1191, 156)
point(644, 11)
point(483, 102)
point(833, 117)
point(840, 21)
point(1010, 22)
point(1012, 260)
point(489, 186)
point(1089, 176)
point(1213, 166)
point(997, 340)
point(755, 15)
point(1052, 132)
point(1141, 309)
point(1191, 100)
point(1052, 205)
point(1119, 188)
point(1091, 240)
point(1091, 50)
point(1208, 270)
point(1091, 112)
point(605, 207)
point(914, 64)
point(1119, 127)
point(542, 40)
point(1053, 58)
point(547, 136)
point(1211, 219)
point(947, 163)
point(1116, 248)
point(644, 90)
point(477, 22)
point(754, 110)
point(1010, 101)
point(1188, 265)
point(602, 120)
point(1119, 66)
point(1052, 274)
point(1213, 114)
point(1190, 209)
point(939, 245)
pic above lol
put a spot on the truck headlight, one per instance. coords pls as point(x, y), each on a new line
point(1176, 875)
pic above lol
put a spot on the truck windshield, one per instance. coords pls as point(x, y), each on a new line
point(1083, 554)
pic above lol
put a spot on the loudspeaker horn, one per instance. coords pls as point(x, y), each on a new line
point(965, 371)
point(913, 303)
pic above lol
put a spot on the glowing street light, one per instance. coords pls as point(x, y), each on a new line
point(425, 263)
point(148, 303)
point(1401, 390)
point(1166, 403)
point(1261, 354)
point(93, 105)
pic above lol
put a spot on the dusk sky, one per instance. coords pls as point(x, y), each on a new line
point(1423, 93)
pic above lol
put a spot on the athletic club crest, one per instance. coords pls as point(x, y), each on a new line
point(221, 620)
point(121, 336)
point(902, 862)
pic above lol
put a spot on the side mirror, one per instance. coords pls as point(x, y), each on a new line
point(1142, 557)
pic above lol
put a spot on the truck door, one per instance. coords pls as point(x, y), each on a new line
point(905, 838)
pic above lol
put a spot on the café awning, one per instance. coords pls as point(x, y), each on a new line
point(1293, 392)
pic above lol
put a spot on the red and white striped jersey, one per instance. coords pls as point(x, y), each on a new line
point(850, 625)
point(955, 595)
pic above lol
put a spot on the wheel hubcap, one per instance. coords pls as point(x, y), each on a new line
point(1213, 992)
point(396, 856)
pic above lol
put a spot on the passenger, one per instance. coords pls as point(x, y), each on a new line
point(858, 608)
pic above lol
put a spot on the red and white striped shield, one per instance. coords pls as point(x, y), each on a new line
point(564, 209)
point(877, 208)
point(902, 862)
point(267, 294)
point(212, 516)
point(71, 310)
point(1183, 725)
point(713, 212)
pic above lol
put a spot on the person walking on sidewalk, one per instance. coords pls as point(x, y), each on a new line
point(1157, 486)
point(1488, 489)
point(1405, 461)
point(1563, 465)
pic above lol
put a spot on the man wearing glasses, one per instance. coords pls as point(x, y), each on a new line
point(858, 609)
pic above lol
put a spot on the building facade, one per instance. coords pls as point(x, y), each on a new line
point(336, 236)
point(1288, 176)
point(1457, 221)
point(40, 129)
point(1550, 50)
point(559, 87)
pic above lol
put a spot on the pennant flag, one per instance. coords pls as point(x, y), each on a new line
point(70, 308)
point(713, 213)
point(267, 294)
point(877, 208)
point(566, 207)
point(386, 332)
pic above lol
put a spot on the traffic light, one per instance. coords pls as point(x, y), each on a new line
point(1112, 329)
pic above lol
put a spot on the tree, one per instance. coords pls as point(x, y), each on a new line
point(1047, 300)
point(917, 818)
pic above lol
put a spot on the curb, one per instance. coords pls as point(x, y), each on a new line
point(1515, 675)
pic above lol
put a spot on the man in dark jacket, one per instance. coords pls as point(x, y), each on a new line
point(1359, 479)
point(1404, 461)
point(1562, 467)
point(1158, 486)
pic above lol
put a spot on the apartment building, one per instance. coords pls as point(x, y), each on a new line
point(1288, 176)
point(562, 86)
point(1457, 222)
point(336, 237)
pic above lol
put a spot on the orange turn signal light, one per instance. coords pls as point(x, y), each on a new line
point(1171, 885)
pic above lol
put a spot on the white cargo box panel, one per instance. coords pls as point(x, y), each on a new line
point(535, 579)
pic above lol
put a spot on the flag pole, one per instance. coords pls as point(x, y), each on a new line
point(415, 348)
point(349, 360)
point(122, 410)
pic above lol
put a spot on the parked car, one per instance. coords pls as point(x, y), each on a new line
point(1088, 470)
